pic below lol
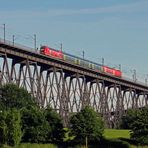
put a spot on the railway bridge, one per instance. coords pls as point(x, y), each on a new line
point(69, 87)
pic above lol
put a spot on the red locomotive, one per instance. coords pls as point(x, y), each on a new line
point(51, 52)
point(79, 61)
point(112, 71)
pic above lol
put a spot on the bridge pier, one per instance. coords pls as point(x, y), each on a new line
point(68, 88)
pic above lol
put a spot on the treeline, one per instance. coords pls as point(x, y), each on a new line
point(22, 120)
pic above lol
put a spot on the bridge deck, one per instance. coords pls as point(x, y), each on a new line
point(22, 52)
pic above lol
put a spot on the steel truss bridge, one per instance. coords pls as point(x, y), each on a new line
point(68, 87)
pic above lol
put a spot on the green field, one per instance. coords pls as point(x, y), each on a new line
point(114, 134)
point(119, 134)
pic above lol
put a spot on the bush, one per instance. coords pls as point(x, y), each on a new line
point(34, 125)
point(140, 136)
point(56, 133)
point(10, 127)
point(137, 121)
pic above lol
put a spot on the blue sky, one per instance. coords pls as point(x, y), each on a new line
point(116, 30)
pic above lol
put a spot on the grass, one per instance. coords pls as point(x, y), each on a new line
point(120, 134)
point(114, 134)
point(30, 145)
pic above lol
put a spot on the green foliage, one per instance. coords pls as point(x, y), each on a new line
point(10, 127)
point(87, 123)
point(55, 123)
point(11, 96)
point(34, 125)
point(140, 126)
point(128, 119)
point(67, 135)
point(38, 125)
point(137, 121)
point(3, 127)
point(13, 121)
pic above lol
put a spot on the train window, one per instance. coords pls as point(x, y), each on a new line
point(77, 61)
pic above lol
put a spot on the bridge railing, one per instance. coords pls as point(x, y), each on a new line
point(135, 81)
point(17, 45)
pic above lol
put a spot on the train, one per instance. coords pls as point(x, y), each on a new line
point(45, 50)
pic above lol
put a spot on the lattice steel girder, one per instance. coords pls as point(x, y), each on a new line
point(18, 52)
point(69, 90)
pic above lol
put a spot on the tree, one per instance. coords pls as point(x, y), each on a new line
point(87, 125)
point(137, 121)
point(127, 120)
point(56, 125)
point(12, 100)
point(13, 122)
point(11, 96)
point(34, 125)
point(10, 127)
point(3, 127)
point(139, 126)
point(38, 125)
